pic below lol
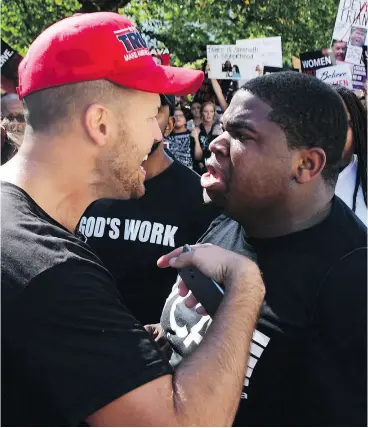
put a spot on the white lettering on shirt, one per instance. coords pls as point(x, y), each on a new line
point(156, 235)
point(169, 235)
point(131, 229)
point(198, 330)
point(134, 230)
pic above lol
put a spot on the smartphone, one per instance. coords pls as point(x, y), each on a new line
point(206, 290)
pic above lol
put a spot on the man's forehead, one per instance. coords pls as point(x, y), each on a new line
point(246, 105)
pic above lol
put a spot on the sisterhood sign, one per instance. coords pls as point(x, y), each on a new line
point(231, 61)
point(245, 60)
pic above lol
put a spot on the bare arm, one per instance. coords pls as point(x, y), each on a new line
point(198, 152)
point(205, 389)
point(220, 96)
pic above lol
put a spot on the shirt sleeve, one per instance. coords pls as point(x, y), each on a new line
point(335, 370)
point(80, 345)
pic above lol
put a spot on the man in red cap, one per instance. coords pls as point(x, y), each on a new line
point(71, 351)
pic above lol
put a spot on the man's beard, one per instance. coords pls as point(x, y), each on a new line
point(119, 179)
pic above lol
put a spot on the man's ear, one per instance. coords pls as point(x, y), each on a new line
point(96, 124)
point(169, 126)
point(308, 164)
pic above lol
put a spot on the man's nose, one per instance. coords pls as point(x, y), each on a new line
point(221, 144)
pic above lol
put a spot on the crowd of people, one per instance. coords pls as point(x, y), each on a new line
point(106, 176)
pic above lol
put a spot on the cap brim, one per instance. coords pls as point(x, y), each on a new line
point(162, 79)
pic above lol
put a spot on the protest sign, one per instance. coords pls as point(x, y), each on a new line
point(312, 61)
point(364, 58)
point(353, 54)
point(351, 23)
point(6, 53)
point(10, 60)
point(268, 50)
point(359, 77)
point(336, 75)
point(245, 60)
point(231, 62)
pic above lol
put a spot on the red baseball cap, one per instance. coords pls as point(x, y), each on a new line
point(101, 45)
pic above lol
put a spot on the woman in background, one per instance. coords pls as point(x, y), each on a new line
point(351, 186)
point(195, 110)
point(208, 130)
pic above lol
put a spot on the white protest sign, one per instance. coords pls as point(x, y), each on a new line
point(353, 54)
point(231, 62)
point(268, 50)
point(352, 22)
point(336, 75)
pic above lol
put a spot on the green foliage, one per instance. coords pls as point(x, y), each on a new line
point(23, 20)
point(185, 27)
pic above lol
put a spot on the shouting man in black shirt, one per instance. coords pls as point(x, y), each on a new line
point(171, 214)
point(72, 352)
point(273, 172)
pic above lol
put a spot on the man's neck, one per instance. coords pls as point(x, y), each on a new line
point(157, 163)
point(290, 218)
point(63, 200)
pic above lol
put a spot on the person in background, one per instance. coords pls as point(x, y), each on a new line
point(351, 185)
point(205, 92)
point(12, 108)
point(184, 105)
point(339, 49)
point(170, 214)
point(208, 130)
point(195, 110)
point(181, 146)
point(12, 126)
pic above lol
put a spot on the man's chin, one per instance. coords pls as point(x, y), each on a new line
point(138, 192)
point(210, 197)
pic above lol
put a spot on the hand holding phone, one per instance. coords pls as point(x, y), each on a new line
point(239, 274)
point(206, 290)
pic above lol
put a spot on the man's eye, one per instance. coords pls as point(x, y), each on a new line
point(241, 137)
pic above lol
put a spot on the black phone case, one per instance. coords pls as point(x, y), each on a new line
point(204, 289)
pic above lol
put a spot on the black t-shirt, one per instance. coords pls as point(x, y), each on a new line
point(205, 139)
point(308, 364)
point(171, 213)
point(181, 147)
point(69, 345)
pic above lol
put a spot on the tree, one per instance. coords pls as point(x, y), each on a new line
point(23, 20)
point(185, 27)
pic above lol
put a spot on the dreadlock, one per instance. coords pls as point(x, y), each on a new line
point(359, 127)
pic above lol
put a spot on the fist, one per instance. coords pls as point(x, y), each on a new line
point(195, 133)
